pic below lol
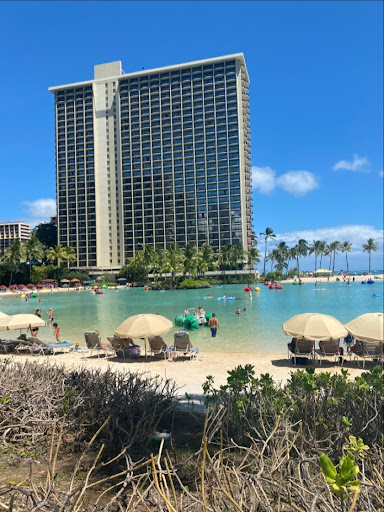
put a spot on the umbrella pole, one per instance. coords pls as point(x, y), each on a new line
point(145, 347)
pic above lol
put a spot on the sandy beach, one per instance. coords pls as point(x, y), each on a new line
point(190, 375)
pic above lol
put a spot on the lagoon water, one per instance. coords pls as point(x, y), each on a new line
point(256, 330)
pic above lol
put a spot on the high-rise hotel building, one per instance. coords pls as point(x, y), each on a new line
point(153, 157)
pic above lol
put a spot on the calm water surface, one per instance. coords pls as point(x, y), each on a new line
point(256, 330)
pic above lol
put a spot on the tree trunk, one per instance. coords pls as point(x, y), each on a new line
point(334, 257)
point(346, 258)
point(265, 255)
point(369, 269)
point(315, 262)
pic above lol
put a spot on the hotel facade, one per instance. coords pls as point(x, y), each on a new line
point(13, 231)
point(153, 157)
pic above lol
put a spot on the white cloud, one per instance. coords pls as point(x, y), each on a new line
point(263, 179)
point(38, 210)
point(381, 173)
point(357, 234)
point(298, 183)
point(355, 165)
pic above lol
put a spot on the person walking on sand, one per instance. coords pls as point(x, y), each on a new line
point(213, 324)
point(57, 331)
point(50, 314)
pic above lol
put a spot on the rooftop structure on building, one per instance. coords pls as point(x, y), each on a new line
point(153, 157)
point(13, 231)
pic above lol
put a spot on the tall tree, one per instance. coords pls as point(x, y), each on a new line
point(323, 246)
point(237, 256)
point(281, 256)
point(46, 232)
point(70, 254)
point(14, 254)
point(333, 248)
point(208, 256)
point(34, 250)
point(346, 247)
point(173, 260)
point(316, 250)
point(268, 235)
point(300, 250)
point(253, 256)
point(369, 247)
point(57, 254)
point(190, 252)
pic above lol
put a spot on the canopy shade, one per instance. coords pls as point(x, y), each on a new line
point(314, 326)
point(64, 280)
point(323, 271)
point(3, 315)
point(367, 327)
point(21, 321)
point(143, 326)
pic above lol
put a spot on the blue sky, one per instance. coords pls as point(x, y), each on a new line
point(316, 99)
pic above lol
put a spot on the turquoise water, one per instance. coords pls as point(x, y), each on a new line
point(256, 330)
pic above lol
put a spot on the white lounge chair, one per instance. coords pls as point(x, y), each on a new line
point(372, 351)
point(183, 345)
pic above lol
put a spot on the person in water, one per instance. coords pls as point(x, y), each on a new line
point(213, 324)
point(238, 312)
point(57, 331)
point(38, 312)
point(50, 314)
point(200, 310)
point(245, 308)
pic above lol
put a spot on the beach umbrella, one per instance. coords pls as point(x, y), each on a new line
point(2, 287)
point(21, 286)
point(30, 285)
point(3, 315)
point(143, 326)
point(39, 285)
point(21, 321)
point(314, 326)
point(64, 280)
point(367, 327)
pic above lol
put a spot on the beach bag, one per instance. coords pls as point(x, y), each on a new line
point(301, 360)
point(133, 352)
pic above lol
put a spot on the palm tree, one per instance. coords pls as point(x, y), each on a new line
point(190, 251)
point(268, 235)
point(70, 254)
point(208, 256)
point(316, 250)
point(327, 252)
point(34, 250)
point(333, 247)
point(13, 255)
point(272, 257)
point(57, 254)
point(253, 256)
point(346, 247)
point(300, 250)
point(323, 246)
point(282, 256)
point(173, 259)
point(370, 246)
point(237, 255)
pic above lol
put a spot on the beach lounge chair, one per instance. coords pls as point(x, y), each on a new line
point(7, 346)
point(117, 345)
point(329, 349)
point(157, 346)
point(183, 345)
point(93, 342)
point(372, 351)
point(49, 347)
point(303, 348)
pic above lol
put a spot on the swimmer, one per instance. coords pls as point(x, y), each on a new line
point(238, 312)
point(245, 308)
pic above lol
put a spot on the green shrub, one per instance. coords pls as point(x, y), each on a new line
point(193, 283)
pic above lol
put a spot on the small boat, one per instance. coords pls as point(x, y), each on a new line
point(191, 319)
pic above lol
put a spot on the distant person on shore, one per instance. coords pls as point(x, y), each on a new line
point(50, 314)
point(57, 331)
point(213, 324)
point(238, 312)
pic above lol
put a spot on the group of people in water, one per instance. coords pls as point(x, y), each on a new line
point(55, 325)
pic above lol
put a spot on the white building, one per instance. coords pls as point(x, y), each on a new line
point(12, 231)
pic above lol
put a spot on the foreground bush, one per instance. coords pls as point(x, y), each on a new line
point(34, 398)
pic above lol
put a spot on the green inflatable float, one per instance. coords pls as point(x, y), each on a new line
point(189, 322)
